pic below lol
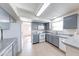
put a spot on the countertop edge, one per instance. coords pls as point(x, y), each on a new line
point(70, 45)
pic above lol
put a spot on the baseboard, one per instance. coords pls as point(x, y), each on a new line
point(18, 53)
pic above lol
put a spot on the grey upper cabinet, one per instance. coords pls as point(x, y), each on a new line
point(46, 26)
point(34, 26)
point(70, 22)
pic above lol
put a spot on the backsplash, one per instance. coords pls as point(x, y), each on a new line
point(69, 31)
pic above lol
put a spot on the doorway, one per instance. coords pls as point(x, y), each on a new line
point(26, 33)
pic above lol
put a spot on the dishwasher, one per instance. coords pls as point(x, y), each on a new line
point(61, 44)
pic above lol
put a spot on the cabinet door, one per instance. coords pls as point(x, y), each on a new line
point(50, 38)
point(46, 26)
point(8, 52)
point(62, 45)
point(47, 37)
point(56, 41)
point(34, 26)
point(70, 22)
point(35, 38)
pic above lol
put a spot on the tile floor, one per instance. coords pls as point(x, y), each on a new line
point(40, 49)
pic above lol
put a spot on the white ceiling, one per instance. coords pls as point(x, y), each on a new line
point(29, 7)
point(29, 10)
point(59, 9)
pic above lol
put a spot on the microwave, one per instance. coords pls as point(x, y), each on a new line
point(41, 27)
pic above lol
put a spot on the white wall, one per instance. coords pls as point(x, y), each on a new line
point(26, 29)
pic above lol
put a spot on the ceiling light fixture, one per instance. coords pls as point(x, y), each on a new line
point(45, 5)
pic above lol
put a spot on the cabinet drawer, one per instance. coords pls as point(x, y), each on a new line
point(55, 41)
point(62, 46)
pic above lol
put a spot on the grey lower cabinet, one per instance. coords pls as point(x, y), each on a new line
point(34, 26)
point(48, 38)
point(35, 38)
point(55, 41)
point(45, 37)
point(52, 39)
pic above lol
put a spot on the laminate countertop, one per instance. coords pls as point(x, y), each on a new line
point(69, 40)
point(59, 35)
point(4, 44)
point(72, 41)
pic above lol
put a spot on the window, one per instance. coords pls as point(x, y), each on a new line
point(57, 24)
